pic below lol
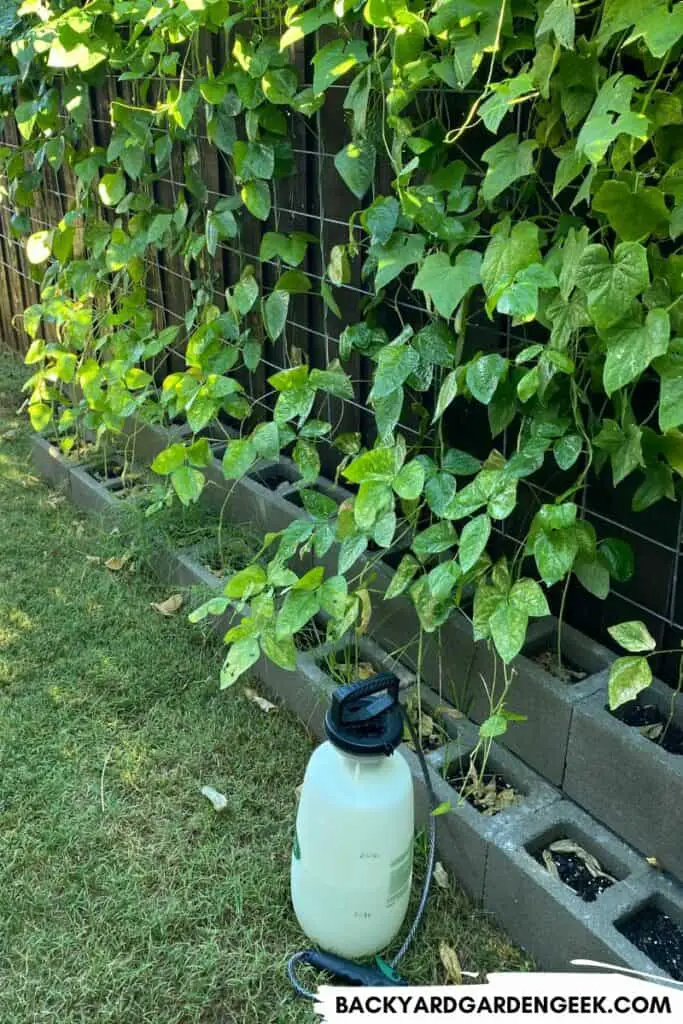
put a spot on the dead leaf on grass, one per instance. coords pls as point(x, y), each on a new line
point(449, 958)
point(218, 800)
point(117, 564)
point(255, 698)
point(170, 606)
point(440, 875)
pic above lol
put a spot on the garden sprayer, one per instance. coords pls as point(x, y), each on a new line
point(352, 859)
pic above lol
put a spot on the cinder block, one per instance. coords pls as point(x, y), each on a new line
point(627, 781)
point(50, 463)
point(184, 569)
point(547, 702)
point(465, 834)
point(90, 495)
point(144, 441)
point(547, 918)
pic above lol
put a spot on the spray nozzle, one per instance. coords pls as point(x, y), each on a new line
point(348, 971)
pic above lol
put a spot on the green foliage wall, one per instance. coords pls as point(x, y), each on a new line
point(533, 159)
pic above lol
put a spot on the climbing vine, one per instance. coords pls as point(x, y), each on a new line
point(535, 159)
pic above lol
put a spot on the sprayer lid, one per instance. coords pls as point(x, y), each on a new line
point(363, 719)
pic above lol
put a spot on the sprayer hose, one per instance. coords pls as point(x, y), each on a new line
point(431, 856)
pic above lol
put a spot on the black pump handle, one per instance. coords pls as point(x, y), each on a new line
point(342, 711)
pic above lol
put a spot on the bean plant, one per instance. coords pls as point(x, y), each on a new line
point(534, 159)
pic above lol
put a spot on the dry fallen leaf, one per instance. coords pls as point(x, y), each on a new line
point(219, 801)
point(440, 875)
point(449, 958)
point(117, 564)
point(170, 606)
point(590, 862)
point(264, 704)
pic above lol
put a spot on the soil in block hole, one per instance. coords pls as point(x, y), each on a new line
point(652, 724)
point(655, 934)
point(563, 669)
point(109, 470)
point(568, 862)
point(489, 793)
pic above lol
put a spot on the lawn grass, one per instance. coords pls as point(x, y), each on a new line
point(124, 897)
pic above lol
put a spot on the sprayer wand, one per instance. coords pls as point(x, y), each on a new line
point(363, 974)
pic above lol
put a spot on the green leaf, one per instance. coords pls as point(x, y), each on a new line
point(670, 403)
point(334, 594)
point(39, 247)
point(336, 59)
point(631, 349)
point(405, 572)
point(245, 292)
point(293, 281)
point(169, 459)
point(509, 160)
point(508, 630)
point(290, 248)
point(240, 455)
point(505, 94)
point(241, 656)
point(253, 160)
point(434, 539)
point(628, 677)
point(395, 364)
point(633, 636)
point(473, 541)
point(275, 309)
point(633, 215)
point(527, 595)
point(256, 197)
point(611, 287)
point(447, 284)
point(380, 218)
point(555, 553)
point(188, 484)
point(567, 450)
point(356, 166)
point(306, 457)
point(377, 464)
point(112, 188)
point(593, 574)
point(447, 393)
point(350, 550)
point(494, 725)
point(619, 558)
point(558, 18)
point(298, 608)
point(483, 376)
point(215, 606)
point(410, 481)
point(400, 252)
point(246, 583)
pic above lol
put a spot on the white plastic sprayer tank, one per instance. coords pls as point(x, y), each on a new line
point(353, 849)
